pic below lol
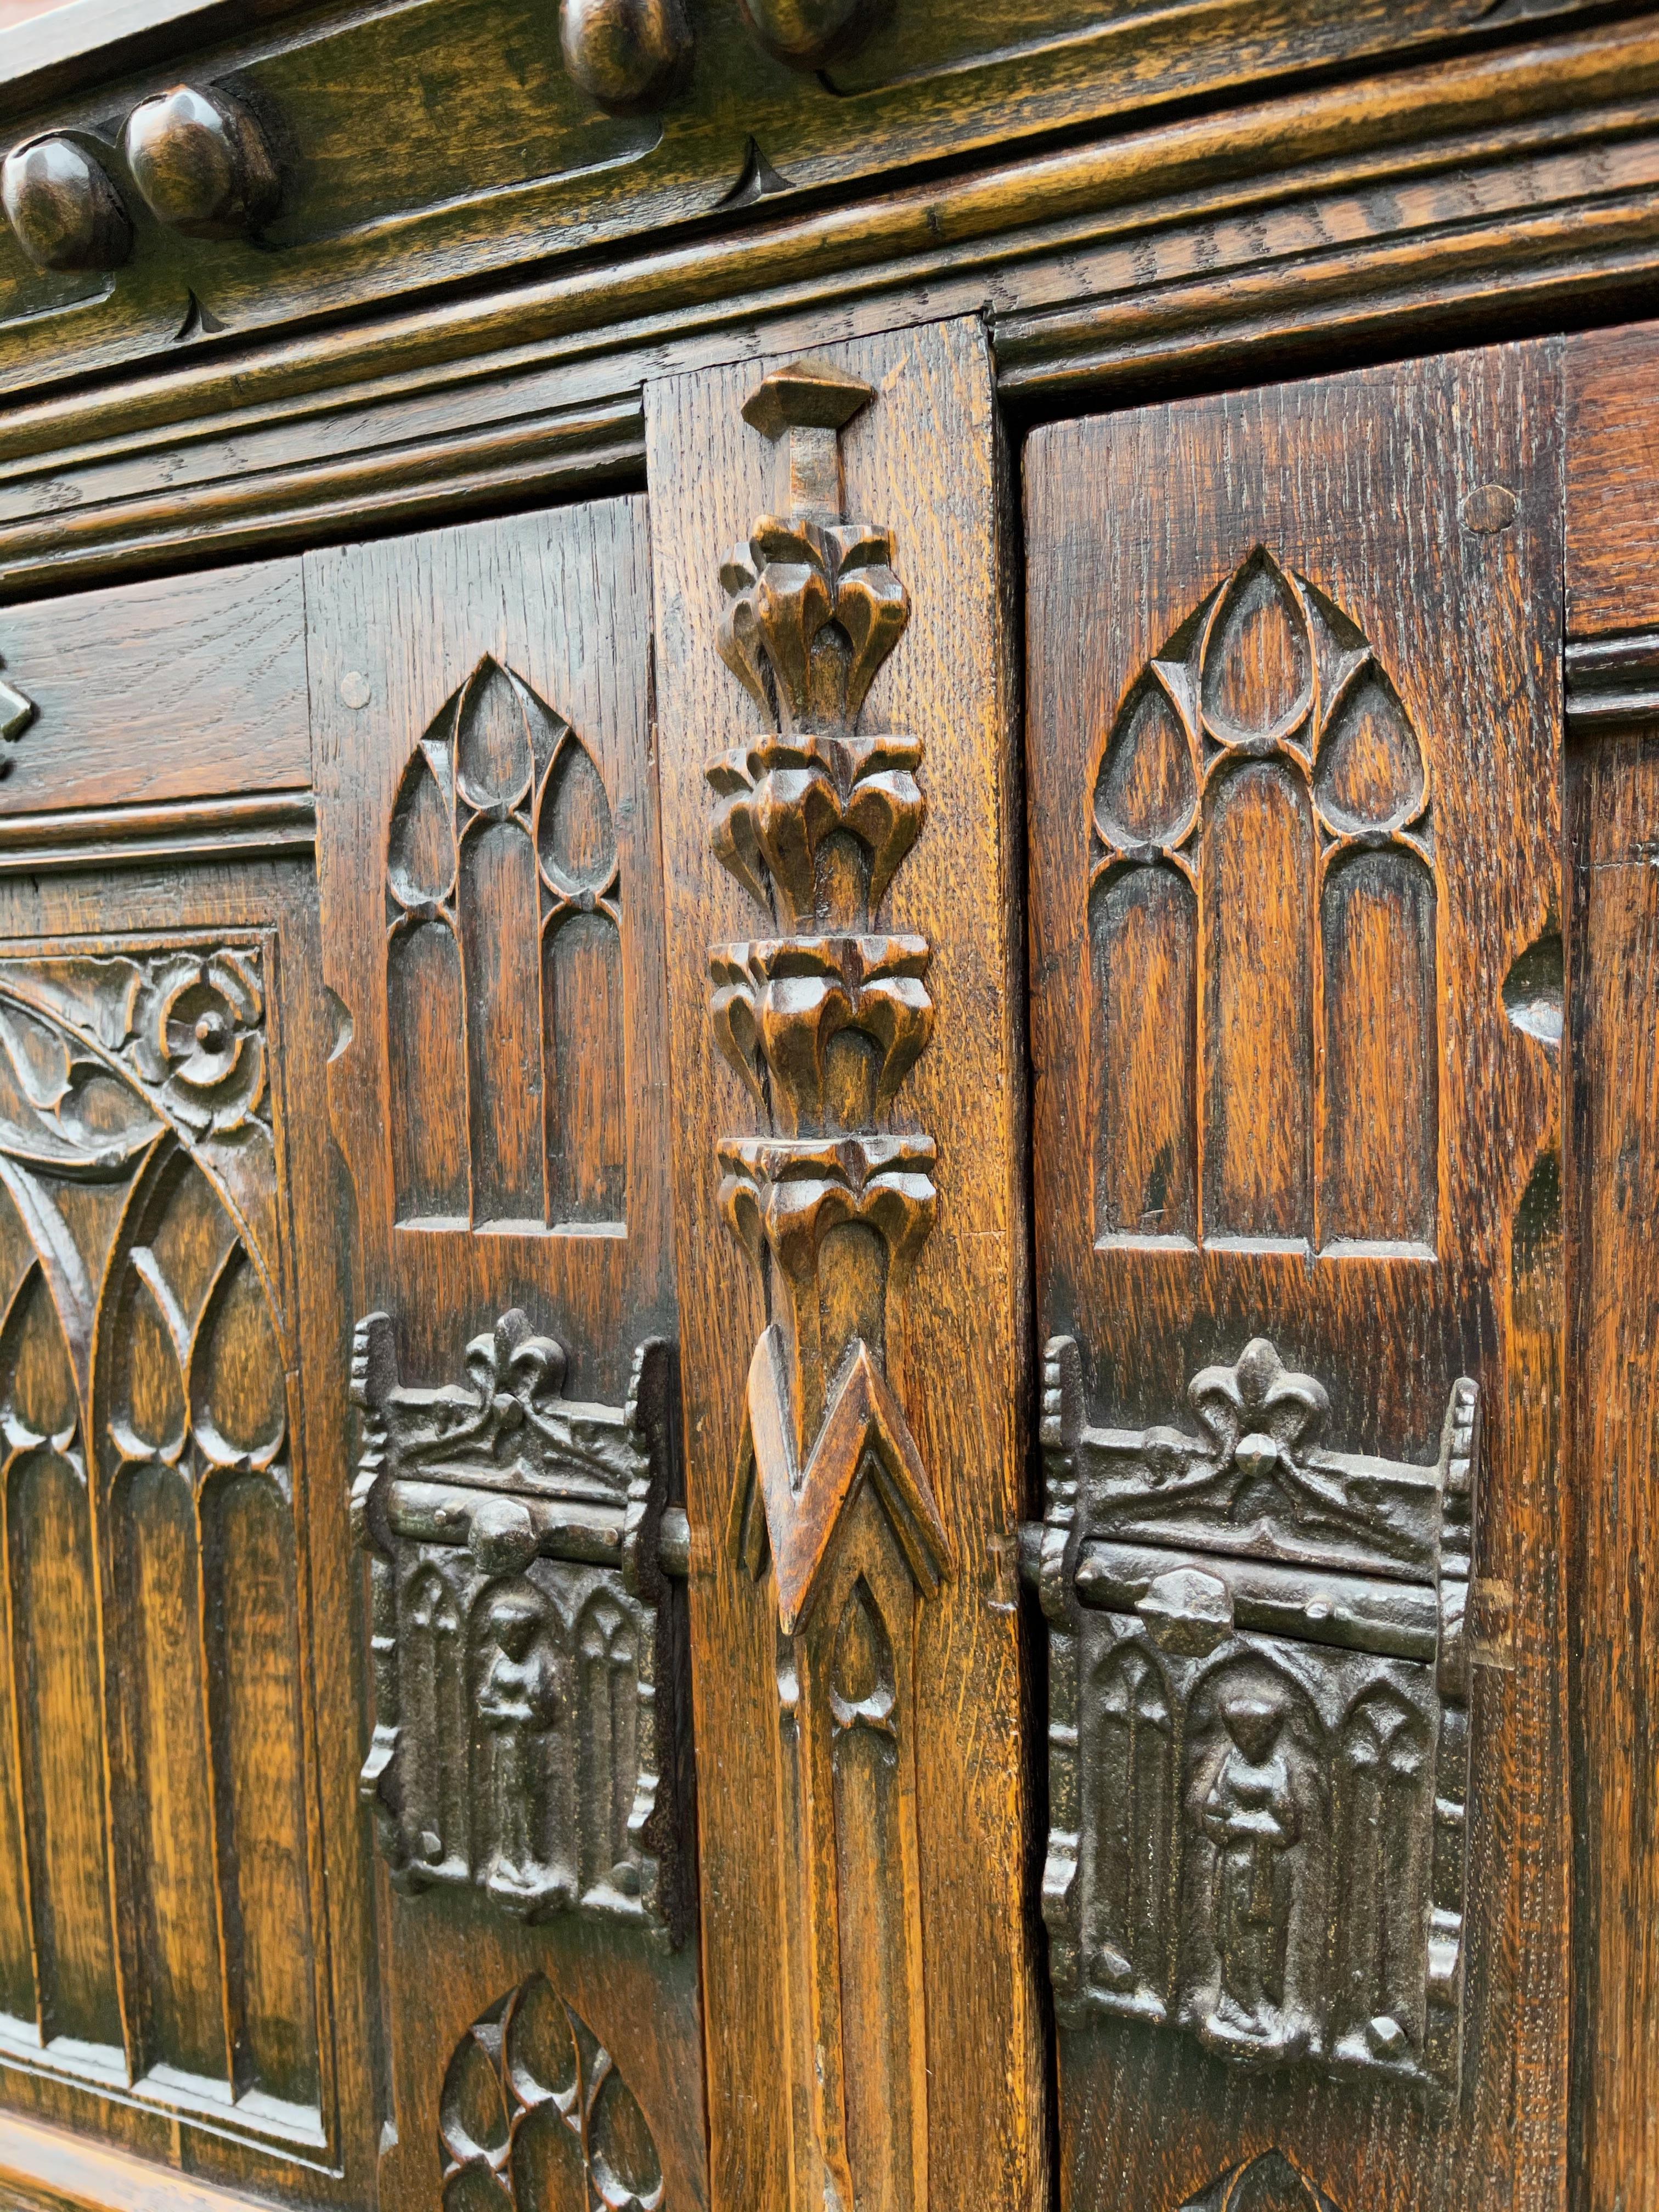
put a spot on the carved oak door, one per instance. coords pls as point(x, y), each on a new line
point(1294, 759)
point(491, 905)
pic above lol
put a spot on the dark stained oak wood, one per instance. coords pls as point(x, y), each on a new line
point(520, 162)
point(924, 459)
point(1613, 946)
point(202, 162)
point(159, 690)
point(1505, 182)
point(63, 209)
point(498, 1090)
point(1360, 486)
point(220, 1665)
point(1612, 464)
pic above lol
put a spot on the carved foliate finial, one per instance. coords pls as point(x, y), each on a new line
point(815, 607)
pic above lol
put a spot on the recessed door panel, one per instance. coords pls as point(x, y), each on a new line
point(1294, 762)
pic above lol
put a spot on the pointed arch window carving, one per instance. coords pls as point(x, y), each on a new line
point(147, 1491)
point(508, 1076)
point(1263, 926)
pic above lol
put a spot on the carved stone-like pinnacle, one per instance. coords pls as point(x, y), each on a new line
point(809, 404)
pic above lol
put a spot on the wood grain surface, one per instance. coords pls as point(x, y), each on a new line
point(446, 1084)
point(1612, 464)
point(239, 1915)
point(1361, 486)
point(447, 134)
point(157, 691)
point(1612, 948)
point(1386, 210)
point(924, 459)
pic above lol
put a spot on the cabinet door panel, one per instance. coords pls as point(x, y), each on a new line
point(1295, 818)
point(184, 1916)
point(492, 937)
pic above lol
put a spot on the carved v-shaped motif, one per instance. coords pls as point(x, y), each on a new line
point(865, 1435)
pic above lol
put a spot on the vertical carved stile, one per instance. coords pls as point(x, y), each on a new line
point(823, 1018)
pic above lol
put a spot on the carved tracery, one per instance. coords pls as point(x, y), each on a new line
point(504, 956)
point(1260, 1749)
point(149, 1492)
point(527, 1700)
point(534, 2111)
point(1262, 918)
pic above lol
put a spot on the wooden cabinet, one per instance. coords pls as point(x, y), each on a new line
point(827, 1085)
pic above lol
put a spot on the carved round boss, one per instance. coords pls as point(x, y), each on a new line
point(63, 209)
point(202, 162)
point(629, 56)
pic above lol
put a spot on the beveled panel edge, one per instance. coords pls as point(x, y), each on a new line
point(250, 825)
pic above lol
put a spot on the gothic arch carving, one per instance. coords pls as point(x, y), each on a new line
point(150, 1551)
point(504, 952)
point(1263, 896)
point(534, 2111)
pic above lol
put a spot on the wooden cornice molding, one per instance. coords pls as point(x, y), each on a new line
point(257, 825)
point(1523, 182)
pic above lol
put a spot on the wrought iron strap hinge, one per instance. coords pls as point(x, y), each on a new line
point(528, 1652)
point(1259, 1730)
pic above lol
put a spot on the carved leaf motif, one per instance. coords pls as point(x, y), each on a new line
point(871, 604)
point(421, 857)
point(1369, 774)
point(1148, 787)
point(779, 1005)
point(800, 581)
point(61, 1111)
point(494, 757)
point(1258, 667)
point(577, 840)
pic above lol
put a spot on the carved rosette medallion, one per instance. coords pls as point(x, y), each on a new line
point(526, 1691)
point(822, 1017)
point(1259, 1750)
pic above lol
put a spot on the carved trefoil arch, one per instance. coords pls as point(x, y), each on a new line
point(507, 1058)
point(1262, 921)
point(1259, 1739)
point(151, 1552)
point(534, 2110)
